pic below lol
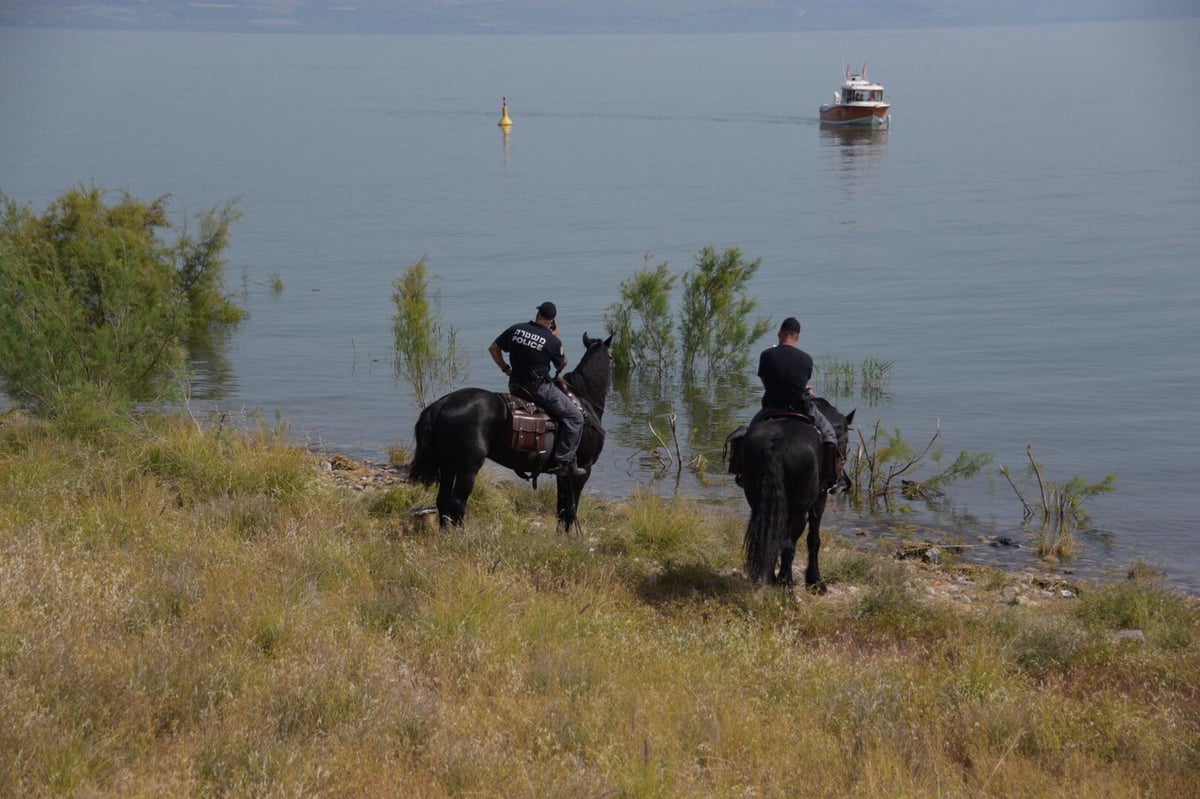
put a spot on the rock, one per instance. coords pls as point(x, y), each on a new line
point(1134, 636)
point(342, 463)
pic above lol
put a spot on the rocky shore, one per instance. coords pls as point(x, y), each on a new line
point(940, 577)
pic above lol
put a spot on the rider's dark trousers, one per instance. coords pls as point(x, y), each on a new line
point(570, 420)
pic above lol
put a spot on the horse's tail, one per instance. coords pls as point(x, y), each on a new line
point(424, 466)
point(767, 532)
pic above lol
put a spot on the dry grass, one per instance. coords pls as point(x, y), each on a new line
point(193, 613)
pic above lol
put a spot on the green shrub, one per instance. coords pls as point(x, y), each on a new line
point(427, 356)
point(641, 321)
point(714, 318)
point(94, 303)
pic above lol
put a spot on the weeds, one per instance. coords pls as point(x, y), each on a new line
point(835, 377)
point(842, 379)
point(1163, 616)
point(1059, 508)
point(885, 466)
point(167, 631)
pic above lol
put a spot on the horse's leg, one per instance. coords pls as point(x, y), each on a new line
point(445, 499)
point(812, 571)
point(457, 496)
point(569, 491)
point(787, 555)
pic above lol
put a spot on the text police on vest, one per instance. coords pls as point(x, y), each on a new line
point(527, 339)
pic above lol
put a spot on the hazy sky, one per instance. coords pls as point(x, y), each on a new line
point(568, 16)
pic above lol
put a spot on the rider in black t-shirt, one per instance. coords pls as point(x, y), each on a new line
point(785, 370)
point(533, 348)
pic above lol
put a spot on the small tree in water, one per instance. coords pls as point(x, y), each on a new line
point(421, 359)
point(714, 320)
point(641, 322)
point(716, 337)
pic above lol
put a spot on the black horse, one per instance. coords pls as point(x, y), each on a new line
point(781, 478)
point(458, 431)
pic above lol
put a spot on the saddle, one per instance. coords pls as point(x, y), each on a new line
point(732, 452)
point(785, 414)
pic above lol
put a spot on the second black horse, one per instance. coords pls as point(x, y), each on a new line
point(781, 478)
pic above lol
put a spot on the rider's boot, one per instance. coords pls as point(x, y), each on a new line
point(566, 469)
point(830, 464)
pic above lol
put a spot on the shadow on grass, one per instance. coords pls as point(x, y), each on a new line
point(691, 581)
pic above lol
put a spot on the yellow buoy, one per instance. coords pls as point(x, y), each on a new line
point(504, 122)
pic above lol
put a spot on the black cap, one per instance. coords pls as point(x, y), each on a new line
point(547, 310)
point(791, 325)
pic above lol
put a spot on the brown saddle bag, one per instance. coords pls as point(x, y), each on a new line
point(532, 429)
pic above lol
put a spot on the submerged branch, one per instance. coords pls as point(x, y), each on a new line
point(1028, 508)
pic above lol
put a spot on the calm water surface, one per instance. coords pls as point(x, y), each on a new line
point(1021, 244)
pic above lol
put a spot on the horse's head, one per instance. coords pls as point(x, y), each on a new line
point(589, 342)
point(591, 378)
point(841, 424)
point(597, 354)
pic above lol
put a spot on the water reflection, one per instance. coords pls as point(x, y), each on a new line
point(212, 375)
point(856, 151)
point(669, 425)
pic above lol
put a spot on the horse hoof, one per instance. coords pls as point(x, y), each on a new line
point(818, 588)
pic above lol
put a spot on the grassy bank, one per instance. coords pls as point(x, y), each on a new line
point(188, 612)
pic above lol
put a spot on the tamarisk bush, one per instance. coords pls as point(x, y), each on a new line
point(422, 358)
point(94, 302)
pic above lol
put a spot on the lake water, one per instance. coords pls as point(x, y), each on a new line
point(1022, 244)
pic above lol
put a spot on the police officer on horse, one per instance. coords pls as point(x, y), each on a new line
point(533, 348)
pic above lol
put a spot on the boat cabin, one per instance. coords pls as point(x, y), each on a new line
point(857, 89)
point(862, 96)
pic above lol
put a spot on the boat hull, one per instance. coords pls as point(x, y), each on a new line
point(867, 116)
